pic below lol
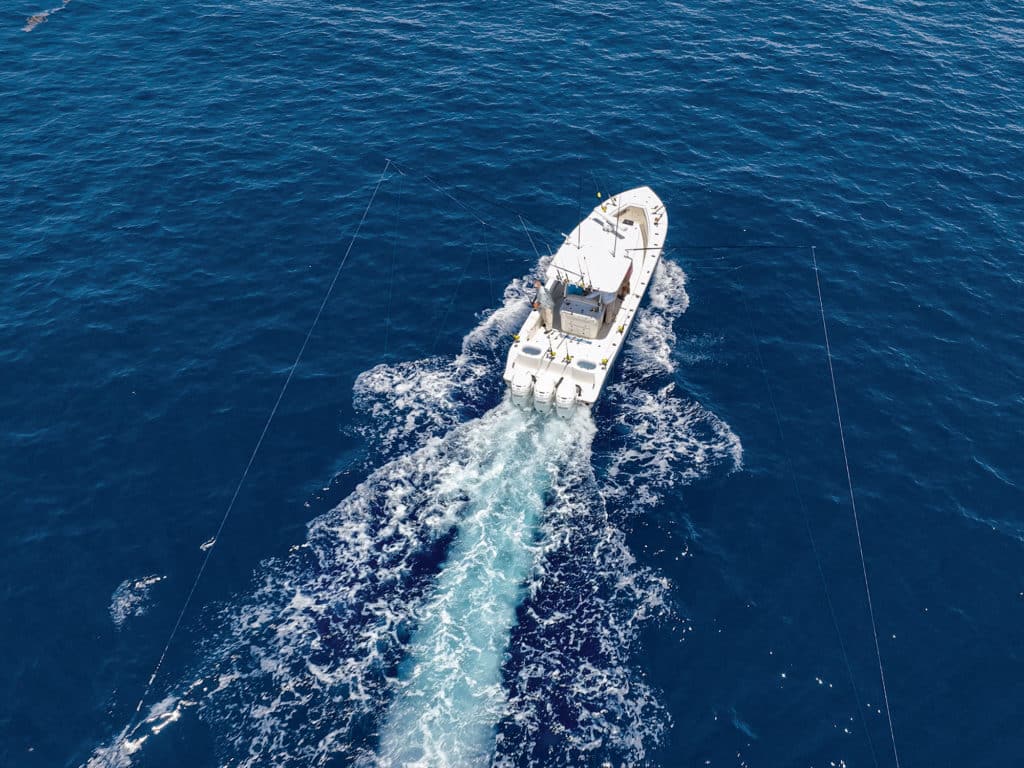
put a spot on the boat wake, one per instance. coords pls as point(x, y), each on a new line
point(474, 601)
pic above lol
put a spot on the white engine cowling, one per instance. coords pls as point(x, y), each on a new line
point(521, 387)
point(565, 397)
point(543, 394)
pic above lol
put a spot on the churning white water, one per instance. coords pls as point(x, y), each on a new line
point(450, 697)
point(473, 601)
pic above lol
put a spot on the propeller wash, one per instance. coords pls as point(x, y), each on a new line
point(473, 601)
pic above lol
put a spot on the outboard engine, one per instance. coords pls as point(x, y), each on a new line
point(565, 397)
point(521, 387)
point(543, 394)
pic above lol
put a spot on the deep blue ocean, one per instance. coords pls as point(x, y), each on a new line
point(413, 573)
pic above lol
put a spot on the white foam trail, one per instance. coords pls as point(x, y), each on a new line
point(652, 340)
point(451, 696)
point(131, 598)
point(664, 441)
point(409, 402)
point(160, 715)
point(400, 607)
point(575, 696)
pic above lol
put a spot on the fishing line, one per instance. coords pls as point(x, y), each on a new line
point(405, 170)
point(451, 300)
point(807, 526)
point(853, 506)
point(527, 231)
point(849, 477)
point(252, 458)
point(579, 218)
point(490, 277)
point(725, 257)
point(732, 246)
point(394, 261)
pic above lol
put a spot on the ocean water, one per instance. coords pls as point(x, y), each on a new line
point(413, 571)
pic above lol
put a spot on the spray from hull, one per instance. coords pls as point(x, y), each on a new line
point(478, 579)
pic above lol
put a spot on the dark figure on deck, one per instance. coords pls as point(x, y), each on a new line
point(546, 304)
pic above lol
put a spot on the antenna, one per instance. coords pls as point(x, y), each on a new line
point(579, 235)
point(615, 234)
point(579, 215)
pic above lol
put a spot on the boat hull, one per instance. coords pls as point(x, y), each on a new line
point(568, 364)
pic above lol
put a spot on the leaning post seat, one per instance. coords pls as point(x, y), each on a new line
point(582, 315)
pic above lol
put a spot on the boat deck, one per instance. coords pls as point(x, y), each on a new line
point(552, 355)
point(588, 360)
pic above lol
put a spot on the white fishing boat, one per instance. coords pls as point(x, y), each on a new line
point(593, 287)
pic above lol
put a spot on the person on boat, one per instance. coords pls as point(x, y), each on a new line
point(546, 304)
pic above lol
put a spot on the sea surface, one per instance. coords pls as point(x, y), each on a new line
point(414, 572)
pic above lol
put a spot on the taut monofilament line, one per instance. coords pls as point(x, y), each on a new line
point(129, 729)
